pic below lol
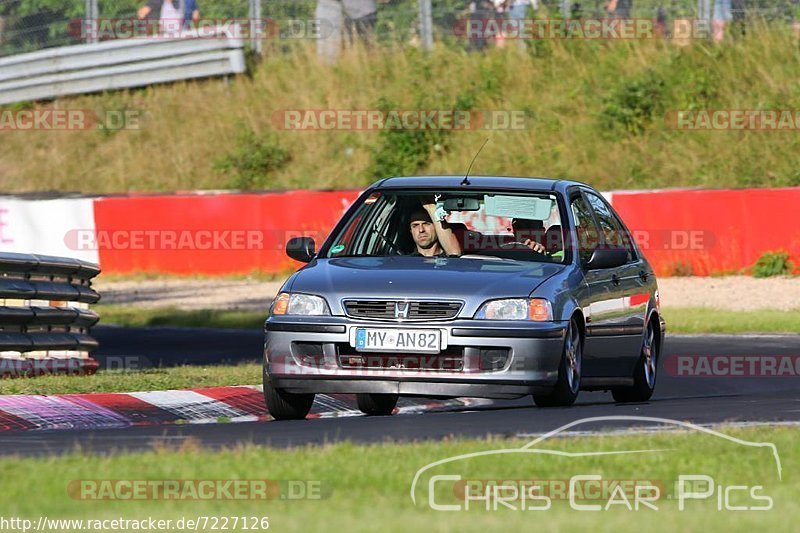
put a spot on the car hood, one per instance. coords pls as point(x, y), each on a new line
point(470, 280)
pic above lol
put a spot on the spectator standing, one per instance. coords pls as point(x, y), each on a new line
point(722, 15)
point(662, 30)
point(171, 18)
point(329, 13)
point(518, 9)
point(480, 11)
point(518, 12)
point(360, 19)
point(173, 15)
point(191, 13)
point(737, 17)
point(500, 8)
point(620, 9)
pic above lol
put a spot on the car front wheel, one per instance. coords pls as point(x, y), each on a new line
point(284, 405)
point(569, 371)
point(377, 404)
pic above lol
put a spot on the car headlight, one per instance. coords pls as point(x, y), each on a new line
point(299, 304)
point(537, 309)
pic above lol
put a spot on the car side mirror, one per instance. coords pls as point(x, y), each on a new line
point(301, 249)
point(607, 258)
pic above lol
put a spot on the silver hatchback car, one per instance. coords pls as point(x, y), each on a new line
point(445, 286)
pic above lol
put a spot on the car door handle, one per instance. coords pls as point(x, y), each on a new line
point(644, 275)
point(615, 279)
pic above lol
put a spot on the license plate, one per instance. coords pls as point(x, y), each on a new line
point(398, 340)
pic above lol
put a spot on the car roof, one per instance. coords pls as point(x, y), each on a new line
point(477, 182)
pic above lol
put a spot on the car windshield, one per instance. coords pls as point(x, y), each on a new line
point(478, 224)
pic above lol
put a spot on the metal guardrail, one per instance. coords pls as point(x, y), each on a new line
point(120, 64)
point(44, 313)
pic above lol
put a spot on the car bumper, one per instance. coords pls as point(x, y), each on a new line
point(497, 360)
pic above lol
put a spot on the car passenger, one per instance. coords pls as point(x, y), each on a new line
point(530, 233)
point(432, 237)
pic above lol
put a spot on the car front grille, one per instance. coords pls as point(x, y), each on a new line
point(416, 310)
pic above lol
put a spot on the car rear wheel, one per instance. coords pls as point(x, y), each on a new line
point(569, 371)
point(284, 405)
point(644, 378)
point(377, 404)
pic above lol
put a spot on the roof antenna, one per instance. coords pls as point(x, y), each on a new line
point(465, 181)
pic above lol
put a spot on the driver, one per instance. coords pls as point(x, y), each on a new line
point(433, 238)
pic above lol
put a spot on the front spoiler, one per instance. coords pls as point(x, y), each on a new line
point(432, 388)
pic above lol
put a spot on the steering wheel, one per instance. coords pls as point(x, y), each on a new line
point(511, 244)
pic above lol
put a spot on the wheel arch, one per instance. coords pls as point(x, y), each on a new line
point(655, 317)
point(577, 314)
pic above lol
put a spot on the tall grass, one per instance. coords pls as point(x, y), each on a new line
point(594, 111)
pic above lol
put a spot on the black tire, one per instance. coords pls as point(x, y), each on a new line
point(644, 377)
point(569, 371)
point(284, 405)
point(377, 404)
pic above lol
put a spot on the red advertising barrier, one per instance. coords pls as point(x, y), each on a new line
point(711, 231)
point(681, 231)
point(209, 234)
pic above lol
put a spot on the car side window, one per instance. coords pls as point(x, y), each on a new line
point(345, 241)
point(374, 239)
point(627, 240)
point(586, 229)
point(614, 233)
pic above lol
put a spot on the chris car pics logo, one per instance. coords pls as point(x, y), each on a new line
point(443, 487)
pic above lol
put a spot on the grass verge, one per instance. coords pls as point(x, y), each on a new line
point(707, 320)
point(364, 488)
point(130, 316)
point(601, 112)
point(182, 377)
point(679, 319)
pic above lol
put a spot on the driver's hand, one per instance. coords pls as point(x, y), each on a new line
point(429, 204)
point(535, 246)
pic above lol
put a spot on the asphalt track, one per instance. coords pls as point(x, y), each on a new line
point(699, 400)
